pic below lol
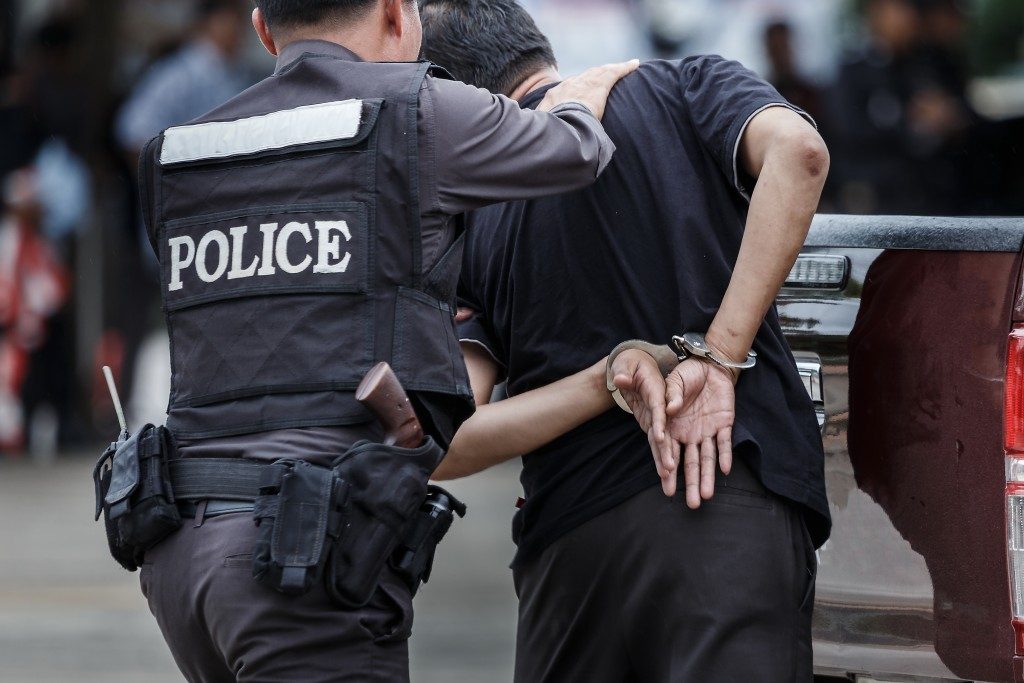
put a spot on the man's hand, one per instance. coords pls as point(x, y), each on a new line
point(638, 379)
point(590, 88)
point(701, 410)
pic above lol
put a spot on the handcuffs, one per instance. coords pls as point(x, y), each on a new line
point(668, 356)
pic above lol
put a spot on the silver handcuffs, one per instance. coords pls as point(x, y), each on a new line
point(667, 357)
point(693, 344)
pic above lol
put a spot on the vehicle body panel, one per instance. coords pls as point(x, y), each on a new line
point(914, 579)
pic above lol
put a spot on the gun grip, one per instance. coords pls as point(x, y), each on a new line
point(382, 394)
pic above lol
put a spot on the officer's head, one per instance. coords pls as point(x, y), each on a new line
point(376, 30)
point(492, 44)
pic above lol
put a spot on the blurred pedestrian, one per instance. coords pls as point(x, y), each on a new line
point(197, 77)
point(944, 34)
point(901, 112)
point(44, 137)
point(784, 72)
point(34, 286)
point(40, 99)
point(978, 156)
point(874, 166)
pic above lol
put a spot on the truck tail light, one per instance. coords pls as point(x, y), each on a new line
point(1013, 415)
point(1013, 443)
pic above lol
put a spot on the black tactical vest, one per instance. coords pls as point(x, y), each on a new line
point(287, 226)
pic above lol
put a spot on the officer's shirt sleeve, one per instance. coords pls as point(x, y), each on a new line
point(486, 149)
point(721, 98)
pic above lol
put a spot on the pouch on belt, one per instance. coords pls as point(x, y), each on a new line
point(299, 515)
point(133, 493)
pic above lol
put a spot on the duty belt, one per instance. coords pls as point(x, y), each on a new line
point(220, 478)
point(207, 487)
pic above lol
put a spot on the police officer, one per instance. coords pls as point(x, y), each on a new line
point(307, 229)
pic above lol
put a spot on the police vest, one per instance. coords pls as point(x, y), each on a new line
point(287, 227)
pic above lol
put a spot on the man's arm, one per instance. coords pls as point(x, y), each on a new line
point(489, 150)
point(789, 160)
point(483, 372)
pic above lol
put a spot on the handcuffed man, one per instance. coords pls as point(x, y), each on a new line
point(691, 229)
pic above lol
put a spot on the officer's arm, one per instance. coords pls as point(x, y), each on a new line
point(507, 429)
point(488, 150)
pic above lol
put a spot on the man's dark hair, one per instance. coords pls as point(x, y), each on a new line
point(492, 44)
point(300, 13)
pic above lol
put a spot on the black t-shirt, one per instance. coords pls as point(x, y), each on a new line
point(646, 252)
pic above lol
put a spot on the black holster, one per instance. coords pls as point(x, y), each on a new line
point(299, 515)
point(134, 495)
point(389, 484)
point(413, 559)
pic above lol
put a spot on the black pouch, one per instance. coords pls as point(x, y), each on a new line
point(298, 513)
point(133, 494)
point(389, 484)
point(413, 559)
point(101, 476)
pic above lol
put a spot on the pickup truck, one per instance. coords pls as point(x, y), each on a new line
point(909, 335)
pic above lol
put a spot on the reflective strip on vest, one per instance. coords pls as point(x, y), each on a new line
point(309, 124)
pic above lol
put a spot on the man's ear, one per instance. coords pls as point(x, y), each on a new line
point(394, 19)
point(259, 23)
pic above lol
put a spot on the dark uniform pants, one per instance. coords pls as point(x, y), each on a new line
point(222, 626)
point(653, 592)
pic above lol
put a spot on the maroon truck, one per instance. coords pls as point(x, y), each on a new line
point(909, 334)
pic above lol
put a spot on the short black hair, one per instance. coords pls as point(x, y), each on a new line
point(299, 13)
point(492, 44)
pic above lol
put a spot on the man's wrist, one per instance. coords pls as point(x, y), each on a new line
point(733, 373)
point(595, 376)
point(725, 348)
point(721, 349)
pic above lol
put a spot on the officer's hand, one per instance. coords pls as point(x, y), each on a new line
point(701, 410)
point(463, 313)
point(638, 379)
point(590, 88)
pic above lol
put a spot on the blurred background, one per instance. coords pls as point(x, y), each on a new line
point(920, 101)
